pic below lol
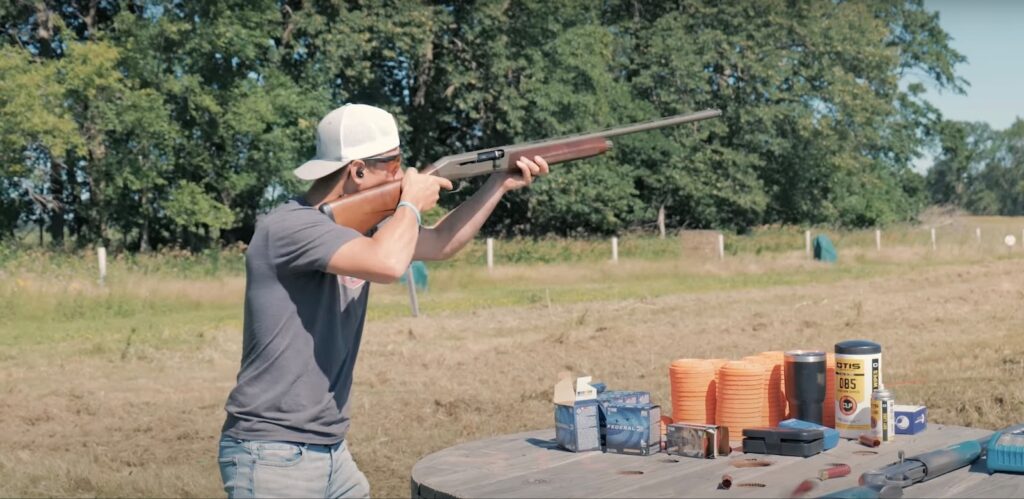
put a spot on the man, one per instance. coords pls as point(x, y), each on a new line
point(305, 304)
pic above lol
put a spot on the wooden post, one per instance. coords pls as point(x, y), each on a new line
point(878, 240)
point(490, 254)
point(661, 221)
point(721, 246)
point(807, 242)
point(933, 240)
point(101, 255)
point(414, 303)
point(615, 249)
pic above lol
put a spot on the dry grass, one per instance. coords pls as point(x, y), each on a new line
point(95, 413)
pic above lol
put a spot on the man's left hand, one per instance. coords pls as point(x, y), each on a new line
point(528, 171)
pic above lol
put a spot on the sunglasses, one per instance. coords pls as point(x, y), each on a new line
point(391, 162)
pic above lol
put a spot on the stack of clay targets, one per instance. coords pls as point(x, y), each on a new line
point(717, 364)
point(741, 397)
point(772, 406)
point(829, 413)
point(692, 382)
point(779, 359)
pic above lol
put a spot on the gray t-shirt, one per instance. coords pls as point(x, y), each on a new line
point(301, 332)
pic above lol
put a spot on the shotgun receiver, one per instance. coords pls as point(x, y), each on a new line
point(365, 209)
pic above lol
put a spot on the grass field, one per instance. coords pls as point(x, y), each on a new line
point(119, 390)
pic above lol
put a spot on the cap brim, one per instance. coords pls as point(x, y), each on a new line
point(317, 168)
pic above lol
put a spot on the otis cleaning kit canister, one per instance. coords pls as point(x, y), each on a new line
point(858, 374)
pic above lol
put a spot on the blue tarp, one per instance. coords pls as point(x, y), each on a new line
point(824, 250)
point(419, 275)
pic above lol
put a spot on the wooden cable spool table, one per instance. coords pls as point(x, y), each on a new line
point(531, 465)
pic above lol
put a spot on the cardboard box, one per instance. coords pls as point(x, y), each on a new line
point(910, 419)
point(577, 423)
point(606, 398)
point(697, 440)
point(632, 428)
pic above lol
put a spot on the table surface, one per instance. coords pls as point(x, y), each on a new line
point(531, 465)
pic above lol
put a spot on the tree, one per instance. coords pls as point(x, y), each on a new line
point(178, 123)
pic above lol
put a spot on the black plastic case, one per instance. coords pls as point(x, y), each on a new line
point(783, 441)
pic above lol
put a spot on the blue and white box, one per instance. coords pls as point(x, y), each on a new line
point(910, 419)
point(576, 426)
point(632, 428)
point(577, 423)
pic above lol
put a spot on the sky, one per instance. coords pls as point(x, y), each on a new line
point(990, 33)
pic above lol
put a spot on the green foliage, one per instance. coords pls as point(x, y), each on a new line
point(979, 169)
point(164, 124)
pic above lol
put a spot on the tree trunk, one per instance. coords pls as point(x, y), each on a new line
point(661, 221)
point(144, 230)
point(144, 236)
point(90, 19)
point(78, 218)
point(57, 209)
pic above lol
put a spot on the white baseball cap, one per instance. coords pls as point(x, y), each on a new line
point(353, 131)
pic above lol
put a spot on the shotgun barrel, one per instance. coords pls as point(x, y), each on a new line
point(365, 209)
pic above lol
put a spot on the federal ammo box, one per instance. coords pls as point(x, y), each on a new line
point(632, 429)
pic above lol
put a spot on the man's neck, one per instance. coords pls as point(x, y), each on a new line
point(321, 192)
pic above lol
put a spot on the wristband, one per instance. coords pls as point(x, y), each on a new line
point(419, 220)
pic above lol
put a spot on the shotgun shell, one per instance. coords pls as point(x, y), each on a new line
point(836, 471)
point(804, 487)
point(870, 440)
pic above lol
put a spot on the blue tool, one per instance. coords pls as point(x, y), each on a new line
point(1006, 450)
point(831, 434)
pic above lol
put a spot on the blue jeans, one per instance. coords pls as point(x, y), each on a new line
point(262, 468)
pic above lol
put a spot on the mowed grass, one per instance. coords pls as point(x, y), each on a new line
point(118, 390)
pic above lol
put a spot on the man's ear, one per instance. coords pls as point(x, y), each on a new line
point(357, 171)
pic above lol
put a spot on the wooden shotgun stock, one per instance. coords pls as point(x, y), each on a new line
point(365, 209)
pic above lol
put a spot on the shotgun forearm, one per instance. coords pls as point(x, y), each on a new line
point(365, 209)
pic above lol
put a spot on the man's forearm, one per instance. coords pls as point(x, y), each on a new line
point(460, 225)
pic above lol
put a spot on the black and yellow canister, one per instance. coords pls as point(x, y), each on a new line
point(858, 374)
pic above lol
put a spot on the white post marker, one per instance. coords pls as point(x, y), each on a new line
point(1010, 240)
point(977, 233)
point(721, 246)
point(101, 255)
point(807, 242)
point(933, 239)
point(878, 240)
point(414, 303)
point(490, 254)
point(615, 249)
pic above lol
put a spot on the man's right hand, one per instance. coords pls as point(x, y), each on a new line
point(423, 190)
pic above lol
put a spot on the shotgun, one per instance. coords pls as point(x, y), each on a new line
point(363, 210)
point(889, 482)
